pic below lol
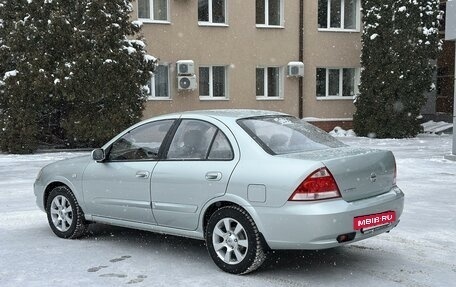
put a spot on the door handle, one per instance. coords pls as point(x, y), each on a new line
point(214, 176)
point(142, 174)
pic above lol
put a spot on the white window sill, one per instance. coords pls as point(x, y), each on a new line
point(209, 24)
point(263, 26)
point(269, 98)
point(313, 119)
point(335, 98)
point(158, 99)
point(209, 98)
point(338, 30)
point(150, 21)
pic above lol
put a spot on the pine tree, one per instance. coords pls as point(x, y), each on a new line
point(400, 40)
point(82, 68)
point(18, 113)
point(112, 92)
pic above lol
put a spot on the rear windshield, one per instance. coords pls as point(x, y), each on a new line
point(286, 134)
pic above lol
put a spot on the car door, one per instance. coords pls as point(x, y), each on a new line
point(119, 187)
point(196, 168)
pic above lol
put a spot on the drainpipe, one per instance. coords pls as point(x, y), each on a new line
point(454, 106)
point(453, 155)
point(450, 34)
point(301, 57)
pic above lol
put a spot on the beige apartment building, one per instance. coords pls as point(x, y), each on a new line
point(249, 53)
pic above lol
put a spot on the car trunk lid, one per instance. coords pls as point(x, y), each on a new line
point(359, 173)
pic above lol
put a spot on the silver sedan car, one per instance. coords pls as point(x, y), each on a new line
point(245, 181)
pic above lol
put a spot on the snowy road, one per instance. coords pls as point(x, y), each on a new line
point(421, 251)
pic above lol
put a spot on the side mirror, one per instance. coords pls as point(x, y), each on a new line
point(98, 155)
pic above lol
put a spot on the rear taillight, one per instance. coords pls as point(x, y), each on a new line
point(319, 185)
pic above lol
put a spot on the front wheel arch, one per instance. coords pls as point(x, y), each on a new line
point(62, 203)
point(48, 190)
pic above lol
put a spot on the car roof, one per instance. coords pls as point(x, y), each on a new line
point(233, 113)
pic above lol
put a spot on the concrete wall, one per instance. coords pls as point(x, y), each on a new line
point(326, 49)
point(242, 46)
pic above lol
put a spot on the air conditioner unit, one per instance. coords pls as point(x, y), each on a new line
point(296, 69)
point(186, 83)
point(185, 67)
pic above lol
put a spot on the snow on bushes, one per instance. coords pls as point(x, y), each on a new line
point(400, 40)
point(72, 72)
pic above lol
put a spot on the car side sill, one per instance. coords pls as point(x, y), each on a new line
point(146, 227)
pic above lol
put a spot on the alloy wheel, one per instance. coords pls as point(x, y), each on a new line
point(230, 241)
point(61, 213)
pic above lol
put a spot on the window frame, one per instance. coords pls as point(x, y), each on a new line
point(266, 97)
point(211, 97)
point(170, 137)
point(151, 20)
point(266, 16)
point(152, 96)
point(210, 20)
point(328, 27)
point(341, 84)
point(161, 150)
point(265, 146)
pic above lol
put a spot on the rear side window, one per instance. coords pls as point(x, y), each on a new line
point(199, 140)
point(221, 148)
point(285, 134)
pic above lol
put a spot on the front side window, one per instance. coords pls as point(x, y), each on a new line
point(155, 10)
point(158, 85)
point(338, 14)
point(268, 82)
point(285, 134)
point(212, 82)
point(212, 11)
point(269, 12)
point(340, 82)
point(141, 143)
point(199, 140)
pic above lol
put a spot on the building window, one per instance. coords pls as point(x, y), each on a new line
point(269, 82)
point(212, 82)
point(338, 14)
point(337, 82)
point(212, 11)
point(155, 10)
point(269, 12)
point(158, 86)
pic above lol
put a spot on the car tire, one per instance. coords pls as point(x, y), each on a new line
point(64, 214)
point(238, 248)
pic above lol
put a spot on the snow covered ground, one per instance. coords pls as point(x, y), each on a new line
point(419, 252)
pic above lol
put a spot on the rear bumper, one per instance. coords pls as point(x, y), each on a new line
point(316, 225)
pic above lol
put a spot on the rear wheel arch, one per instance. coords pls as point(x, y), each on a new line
point(213, 207)
point(237, 249)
